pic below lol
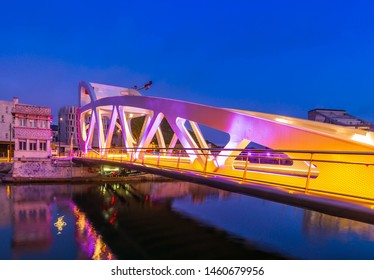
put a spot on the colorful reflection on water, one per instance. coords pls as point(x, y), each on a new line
point(167, 220)
point(42, 222)
point(90, 242)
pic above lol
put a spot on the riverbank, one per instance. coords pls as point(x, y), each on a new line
point(5, 167)
point(63, 171)
point(99, 179)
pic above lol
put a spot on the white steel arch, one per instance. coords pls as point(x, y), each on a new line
point(274, 131)
point(119, 106)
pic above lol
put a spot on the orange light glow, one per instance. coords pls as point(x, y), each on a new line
point(8, 192)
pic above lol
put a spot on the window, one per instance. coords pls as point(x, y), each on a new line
point(22, 145)
point(36, 123)
point(2, 118)
point(6, 135)
point(22, 122)
point(32, 145)
point(42, 146)
point(43, 124)
point(6, 109)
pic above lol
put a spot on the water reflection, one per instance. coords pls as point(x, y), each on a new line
point(37, 222)
point(167, 220)
point(315, 224)
point(137, 222)
point(290, 231)
point(90, 242)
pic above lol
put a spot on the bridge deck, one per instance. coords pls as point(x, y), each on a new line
point(342, 206)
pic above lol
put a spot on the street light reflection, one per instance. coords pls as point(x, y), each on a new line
point(60, 224)
point(89, 240)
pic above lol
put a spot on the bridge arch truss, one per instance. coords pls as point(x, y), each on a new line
point(304, 143)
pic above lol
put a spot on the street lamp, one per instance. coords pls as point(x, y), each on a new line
point(59, 134)
point(10, 142)
point(121, 137)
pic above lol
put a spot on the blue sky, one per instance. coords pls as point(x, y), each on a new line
point(282, 57)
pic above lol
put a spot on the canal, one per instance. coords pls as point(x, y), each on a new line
point(167, 220)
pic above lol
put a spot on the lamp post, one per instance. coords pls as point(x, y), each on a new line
point(59, 135)
point(10, 142)
point(121, 137)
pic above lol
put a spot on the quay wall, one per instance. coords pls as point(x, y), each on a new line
point(64, 170)
point(50, 169)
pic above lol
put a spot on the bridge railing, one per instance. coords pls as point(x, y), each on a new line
point(346, 175)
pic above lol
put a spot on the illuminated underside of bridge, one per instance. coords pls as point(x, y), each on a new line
point(306, 156)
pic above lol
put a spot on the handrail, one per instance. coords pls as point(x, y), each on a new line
point(243, 150)
point(330, 173)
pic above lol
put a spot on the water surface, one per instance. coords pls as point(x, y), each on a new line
point(167, 220)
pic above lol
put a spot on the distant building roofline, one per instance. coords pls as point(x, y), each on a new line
point(324, 109)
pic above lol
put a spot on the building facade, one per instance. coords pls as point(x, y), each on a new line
point(67, 123)
point(32, 132)
point(68, 129)
point(6, 126)
point(339, 117)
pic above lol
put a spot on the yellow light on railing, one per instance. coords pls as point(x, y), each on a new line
point(115, 155)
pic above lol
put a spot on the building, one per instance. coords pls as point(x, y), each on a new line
point(6, 126)
point(67, 122)
point(32, 132)
point(54, 129)
point(66, 140)
point(68, 129)
point(339, 117)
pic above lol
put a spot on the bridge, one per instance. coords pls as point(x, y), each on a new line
point(300, 162)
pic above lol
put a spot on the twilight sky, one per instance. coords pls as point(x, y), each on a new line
point(283, 57)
